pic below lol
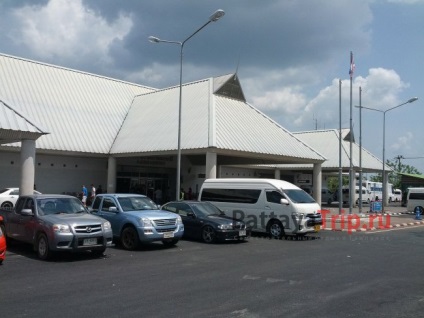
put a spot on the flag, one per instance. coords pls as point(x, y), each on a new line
point(352, 65)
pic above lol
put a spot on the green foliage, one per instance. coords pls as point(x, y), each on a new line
point(398, 167)
point(333, 182)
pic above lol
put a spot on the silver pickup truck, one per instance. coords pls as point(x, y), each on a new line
point(136, 219)
point(53, 223)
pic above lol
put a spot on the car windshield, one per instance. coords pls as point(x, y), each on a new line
point(298, 196)
point(48, 206)
point(136, 203)
point(205, 209)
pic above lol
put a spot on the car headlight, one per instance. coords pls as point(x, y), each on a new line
point(146, 222)
point(298, 215)
point(61, 228)
point(225, 226)
point(107, 225)
point(179, 220)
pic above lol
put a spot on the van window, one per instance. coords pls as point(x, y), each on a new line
point(416, 196)
point(299, 196)
point(274, 196)
point(250, 196)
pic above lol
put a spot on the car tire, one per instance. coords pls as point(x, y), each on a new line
point(276, 229)
point(7, 205)
point(208, 234)
point(170, 242)
point(129, 238)
point(42, 247)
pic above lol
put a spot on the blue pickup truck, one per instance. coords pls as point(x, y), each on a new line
point(136, 219)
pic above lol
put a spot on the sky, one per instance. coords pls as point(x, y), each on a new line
point(290, 55)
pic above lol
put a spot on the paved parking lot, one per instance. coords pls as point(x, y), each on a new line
point(329, 274)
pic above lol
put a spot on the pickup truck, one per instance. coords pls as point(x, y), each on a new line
point(136, 219)
point(53, 223)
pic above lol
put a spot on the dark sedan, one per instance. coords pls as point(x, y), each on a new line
point(203, 220)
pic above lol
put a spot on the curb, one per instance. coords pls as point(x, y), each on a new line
point(399, 225)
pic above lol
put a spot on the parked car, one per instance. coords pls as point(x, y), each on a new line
point(136, 219)
point(56, 223)
point(203, 220)
point(8, 197)
point(2, 243)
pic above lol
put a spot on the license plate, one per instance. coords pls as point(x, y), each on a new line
point(89, 241)
point(242, 233)
point(168, 234)
point(317, 228)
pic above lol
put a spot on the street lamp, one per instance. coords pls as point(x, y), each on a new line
point(411, 100)
point(214, 17)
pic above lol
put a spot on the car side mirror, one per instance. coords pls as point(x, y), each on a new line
point(191, 214)
point(284, 201)
point(113, 209)
point(27, 212)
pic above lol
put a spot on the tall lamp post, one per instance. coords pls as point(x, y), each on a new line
point(214, 17)
point(411, 100)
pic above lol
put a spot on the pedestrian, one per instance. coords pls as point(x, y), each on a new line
point(93, 192)
point(84, 195)
point(99, 189)
point(182, 194)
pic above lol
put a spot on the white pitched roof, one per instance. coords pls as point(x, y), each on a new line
point(326, 142)
point(14, 126)
point(98, 115)
point(208, 120)
point(83, 112)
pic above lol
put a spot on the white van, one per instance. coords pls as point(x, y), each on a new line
point(273, 206)
point(366, 195)
point(415, 199)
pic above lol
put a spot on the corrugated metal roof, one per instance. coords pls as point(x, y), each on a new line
point(83, 112)
point(14, 126)
point(207, 121)
point(242, 127)
point(152, 121)
point(93, 114)
point(327, 143)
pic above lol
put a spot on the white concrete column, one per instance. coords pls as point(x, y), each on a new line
point(317, 182)
point(277, 174)
point(210, 169)
point(111, 175)
point(27, 167)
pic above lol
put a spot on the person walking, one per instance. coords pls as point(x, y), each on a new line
point(84, 195)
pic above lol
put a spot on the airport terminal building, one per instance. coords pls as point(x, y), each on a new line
point(62, 128)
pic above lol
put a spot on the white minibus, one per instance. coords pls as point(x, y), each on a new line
point(415, 199)
point(273, 206)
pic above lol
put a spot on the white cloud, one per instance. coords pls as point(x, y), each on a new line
point(403, 143)
point(66, 29)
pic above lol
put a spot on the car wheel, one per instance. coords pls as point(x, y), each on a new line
point(208, 234)
point(129, 238)
point(170, 242)
point(7, 205)
point(43, 249)
point(276, 229)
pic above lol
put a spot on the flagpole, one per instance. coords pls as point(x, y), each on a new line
point(360, 149)
point(351, 176)
point(340, 150)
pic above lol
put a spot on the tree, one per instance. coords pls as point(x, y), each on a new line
point(397, 167)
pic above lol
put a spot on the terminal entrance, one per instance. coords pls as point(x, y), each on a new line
point(144, 183)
